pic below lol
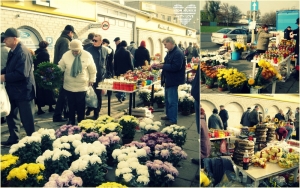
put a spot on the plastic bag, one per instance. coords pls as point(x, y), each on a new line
point(91, 99)
point(4, 103)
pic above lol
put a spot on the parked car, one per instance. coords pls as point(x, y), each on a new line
point(224, 34)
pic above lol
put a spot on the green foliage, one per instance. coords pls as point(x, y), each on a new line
point(29, 153)
point(48, 76)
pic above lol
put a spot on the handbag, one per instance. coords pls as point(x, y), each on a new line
point(4, 102)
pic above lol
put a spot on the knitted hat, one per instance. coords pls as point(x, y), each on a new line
point(76, 44)
point(143, 44)
point(11, 32)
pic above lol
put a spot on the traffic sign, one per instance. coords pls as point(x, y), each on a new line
point(105, 25)
point(98, 25)
point(254, 6)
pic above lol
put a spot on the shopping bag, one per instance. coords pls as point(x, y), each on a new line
point(4, 102)
point(91, 99)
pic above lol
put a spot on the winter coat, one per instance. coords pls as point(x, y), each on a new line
point(61, 47)
point(122, 62)
point(296, 37)
point(195, 92)
point(81, 81)
point(173, 73)
point(4, 53)
point(196, 52)
point(279, 116)
point(253, 117)
point(131, 49)
point(205, 142)
point(100, 62)
point(245, 120)
point(287, 34)
point(263, 40)
point(215, 122)
point(140, 56)
point(86, 46)
point(110, 65)
point(42, 55)
point(19, 78)
point(224, 116)
point(189, 53)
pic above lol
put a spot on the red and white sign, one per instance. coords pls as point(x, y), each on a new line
point(105, 25)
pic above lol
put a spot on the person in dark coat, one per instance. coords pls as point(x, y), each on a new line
point(89, 41)
point(117, 41)
point(195, 92)
point(295, 35)
point(214, 121)
point(122, 63)
point(287, 32)
point(224, 116)
point(141, 55)
point(245, 118)
point(43, 96)
point(253, 117)
point(280, 115)
point(20, 86)
point(110, 64)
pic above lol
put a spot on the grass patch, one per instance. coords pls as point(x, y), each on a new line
point(210, 29)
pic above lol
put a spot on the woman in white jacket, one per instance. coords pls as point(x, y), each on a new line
point(79, 73)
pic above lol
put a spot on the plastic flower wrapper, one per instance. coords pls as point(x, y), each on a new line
point(162, 174)
point(109, 128)
point(95, 148)
point(111, 142)
point(176, 133)
point(90, 168)
point(55, 161)
point(47, 138)
point(131, 173)
point(148, 126)
point(155, 138)
point(88, 125)
point(66, 179)
point(27, 149)
point(8, 162)
point(66, 130)
point(127, 152)
point(89, 137)
point(27, 175)
point(169, 152)
point(129, 124)
point(159, 96)
point(111, 185)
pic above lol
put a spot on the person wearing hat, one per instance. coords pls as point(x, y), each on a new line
point(79, 73)
point(62, 46)
point(141, 55)
point(214, 121)
point(89, 41)
point(264, 39)
point(253, 117)
point(20, 86)
point(117, 41)
point(287, 33)
point(295, 35)
point(4, 52)
point(296, 123)
point(224, 116)
point(245, 118)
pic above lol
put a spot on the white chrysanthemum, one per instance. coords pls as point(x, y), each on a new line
point(175, 132)
point(74, 166)
point(76, 143)
point(182, 127)
point(142, 125)
point(127, 177)
point(64, 139)
point(158, 123)
point(48, 154)
point(125, 150)
point(15, 147)
point(65, 153)
point(148, 127)
point(133, 165)
point(78, 137)
point(143, 179)
point(122, 157)
point(123, 164)
point(66, 145)
point(132, 155)
point(155, 127)
point(40, 159)
point(143, 172)
point(118, 172)
point(24, 140)
point(156, 152)
point(56, 156)
point(95, 159)
point(56, 143)
point(126, 170)
point(71, 138)
point(90, 148)
point(116, 153)
point(147, 120)
point(83, 165)
point(132, 159)
point(180, 133)
point(36, 134)
point(132, 148)
point(173, 126)
point(141, 153)
point(158, 172)
point(142, 167)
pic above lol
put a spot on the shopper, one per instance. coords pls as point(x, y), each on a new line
point(195, 92)
point(122, 65)
point(189, 52)
point(89, 41)
point(296, 123)
point(260, 116)
point(4, 53)
point(289, 126)
point(280, 115)
point(79, 73)
point(295, 35)
point(287, 32)
point(131, 48)
point(196, 50)
point(43, 96)
point(20, 86)
point(264, 38)
point(100, 58)
point(245, 120)
point(289, 116)
point(281, 133)
point(117, 41)
point(141, 55)
point(253, 117)
point(224, 116)
point(214, 121)
point(110, 58)
point(61, 47)
point(173, 75)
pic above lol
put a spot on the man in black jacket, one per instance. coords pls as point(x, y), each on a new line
point(224, 116)
point(117, 41)
point(20, 86)
point(287, 33)
point(253, 117)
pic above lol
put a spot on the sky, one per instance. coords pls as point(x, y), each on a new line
point(265, 6)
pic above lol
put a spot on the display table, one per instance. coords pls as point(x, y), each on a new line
point(222, 138)
point(131, 96)
point(286, 61)
point(258, 173)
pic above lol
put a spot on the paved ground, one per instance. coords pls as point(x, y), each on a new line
point(290, 86)
point(187, 170)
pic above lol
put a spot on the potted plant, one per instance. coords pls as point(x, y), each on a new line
point(211, 76)
point(145, 96)
point(128, 151)
point(148, 126)
point(169, 152)
point(111, 184)
point(222, 83)
point(67, 178)
point(155, 138)
point(235, 80)
point(8, 162)
point(159, 98)
point(111, 142)
point(176, 133)
point(187, 103)
point(129, 124)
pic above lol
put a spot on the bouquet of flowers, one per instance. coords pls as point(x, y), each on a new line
point(112, 142)
point(266, 73)
point(155, 138)
point(144, 94)
point(130, 151)
point(89, 137)
point(48, 76)
point(8, 162)
point(162, 174)
point(111, 184)
point(66, 179)
point(169, 152)
point(235, 79)
point(128, 123)
point(239, 47)
point(47, 138)
point(27, 175)
point(27, 149)
point(176, 133)
point(55, 161)
point(90, 168)
point(95, 148)
point(148, 126)
point(222, 83)
point(132, 174)
point(66, 130)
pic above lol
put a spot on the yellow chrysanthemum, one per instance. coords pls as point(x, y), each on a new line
point(39, 178)
point(33, 168)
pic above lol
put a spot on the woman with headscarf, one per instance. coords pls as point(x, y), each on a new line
point(141, 55)
point(214, 121)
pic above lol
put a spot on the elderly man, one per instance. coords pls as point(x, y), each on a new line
point(79, 73)
point(224, 116)
point(173, 75)
point(253, 117)
point(20, 86)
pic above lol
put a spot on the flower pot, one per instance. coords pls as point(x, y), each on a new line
point(160, 105)
point(222, 88)
point(235, 55)
point(126, 140)
point(253, 91)
point(209, 86)
point(147, 103)
point(186, 113)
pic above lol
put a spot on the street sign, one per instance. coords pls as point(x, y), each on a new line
point(49, 40)
point(254, 6)
point(98, 25)
point(105, 25)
